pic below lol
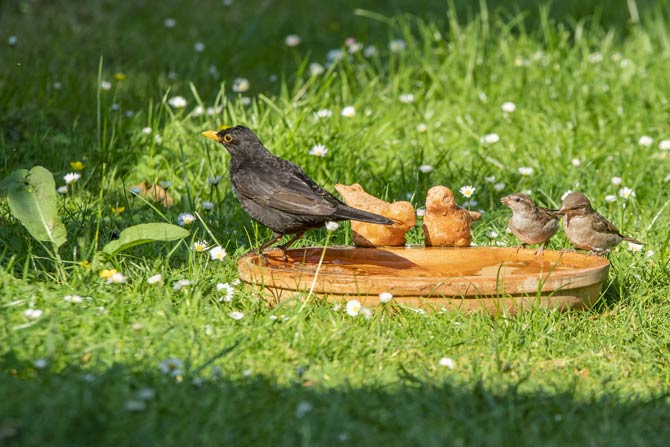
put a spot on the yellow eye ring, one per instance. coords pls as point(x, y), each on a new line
point(227, 138)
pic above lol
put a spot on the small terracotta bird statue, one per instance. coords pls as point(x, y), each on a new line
point(586, 229)
point(373, 235)
point(445, 223)
point(530, 223)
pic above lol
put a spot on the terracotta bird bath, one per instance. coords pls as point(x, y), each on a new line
point(492, 279)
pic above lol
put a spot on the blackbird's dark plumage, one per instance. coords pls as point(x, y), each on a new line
point(277, 193)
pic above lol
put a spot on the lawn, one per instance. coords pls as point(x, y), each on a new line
point(536, 98)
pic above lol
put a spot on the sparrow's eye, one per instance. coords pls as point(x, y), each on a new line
point(227, 138)
point(517, 199)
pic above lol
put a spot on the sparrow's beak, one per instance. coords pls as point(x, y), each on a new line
point(213, 135)
point(504, 200)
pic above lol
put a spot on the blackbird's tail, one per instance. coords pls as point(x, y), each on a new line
point(634, 241)
point(346, 212)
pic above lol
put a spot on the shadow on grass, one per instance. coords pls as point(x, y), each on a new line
point(121, 406)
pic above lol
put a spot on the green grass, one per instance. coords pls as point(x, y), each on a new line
point(587, 85)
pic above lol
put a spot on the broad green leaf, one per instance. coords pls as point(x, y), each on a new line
point(142, 234)
point(33, 202)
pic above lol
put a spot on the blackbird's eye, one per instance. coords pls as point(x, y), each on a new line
point(227, 138)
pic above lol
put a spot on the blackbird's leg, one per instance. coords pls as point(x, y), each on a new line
point(260, 249)
point(283, 247)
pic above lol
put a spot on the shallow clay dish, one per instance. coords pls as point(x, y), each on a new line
point(473, 278)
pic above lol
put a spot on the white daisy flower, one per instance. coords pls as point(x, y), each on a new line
point(366, 313)
point(172, 75)
point(40, 363)
point(71, 177)
point(420, 212)
point(198, 111)
point(349, 112)
point(616, 181)
point(426, 169)
point(370, 51)
point(355, 47)
point(397, 45)
point(490, 179)
point(181, 284)
point(323, 113)
point(499, 187)
point(595, 58)
point(332, 226)
point(335, 55)
point(185, 219)
point(178, 102)
point(316, 69)
point(236, 315)
point(626, 193)
point(169, 22)
point(421, 128)
point(491, 234)
point(406, 98)
point(57, 85)
point(447, 362)
point(217, 253)
point(76, 299)
point(353, 308)
point(576, 162)
point(116, 278)
point(664, 145)
point(214, 180)
point(635, 248)
point(147, 130)
point(467, 190)
point(240, 85)
point(171, 366)
point(32, 314)
point(199, 47)
point(490, 138)
point(649, 253)
point(526, 171)
point(105, 85)
point(200, 246)
point(207, 205)
point(385, 297)
point(155, 279)
point(610, 198)
point(245, 100)
point(292, 40)
point(228, 292)
point(645, 140)
point(303, 408)
point(508, 107)
point(12, 41)
point(318, 150)
point(62, 189)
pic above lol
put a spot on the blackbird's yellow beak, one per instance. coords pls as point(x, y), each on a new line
point(212, 134)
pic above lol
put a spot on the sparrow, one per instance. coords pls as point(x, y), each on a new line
point(278, 193)
point(530, 223)
point(445, 223)
point(586, 229)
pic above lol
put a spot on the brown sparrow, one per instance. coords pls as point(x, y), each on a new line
point(586, 229)
point(530, 223)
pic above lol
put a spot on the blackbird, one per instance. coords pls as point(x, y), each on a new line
point(530, 223)
point(586, 229)
point(277, 193)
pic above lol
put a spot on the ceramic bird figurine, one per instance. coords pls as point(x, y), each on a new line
point(372, 235)
point(530, 223)
point(586, 229)
point(445, 223)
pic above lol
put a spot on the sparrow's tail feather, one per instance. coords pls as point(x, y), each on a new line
point(634, 241)
point(347, 212)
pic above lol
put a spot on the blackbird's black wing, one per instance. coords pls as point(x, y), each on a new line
point(283, 186)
